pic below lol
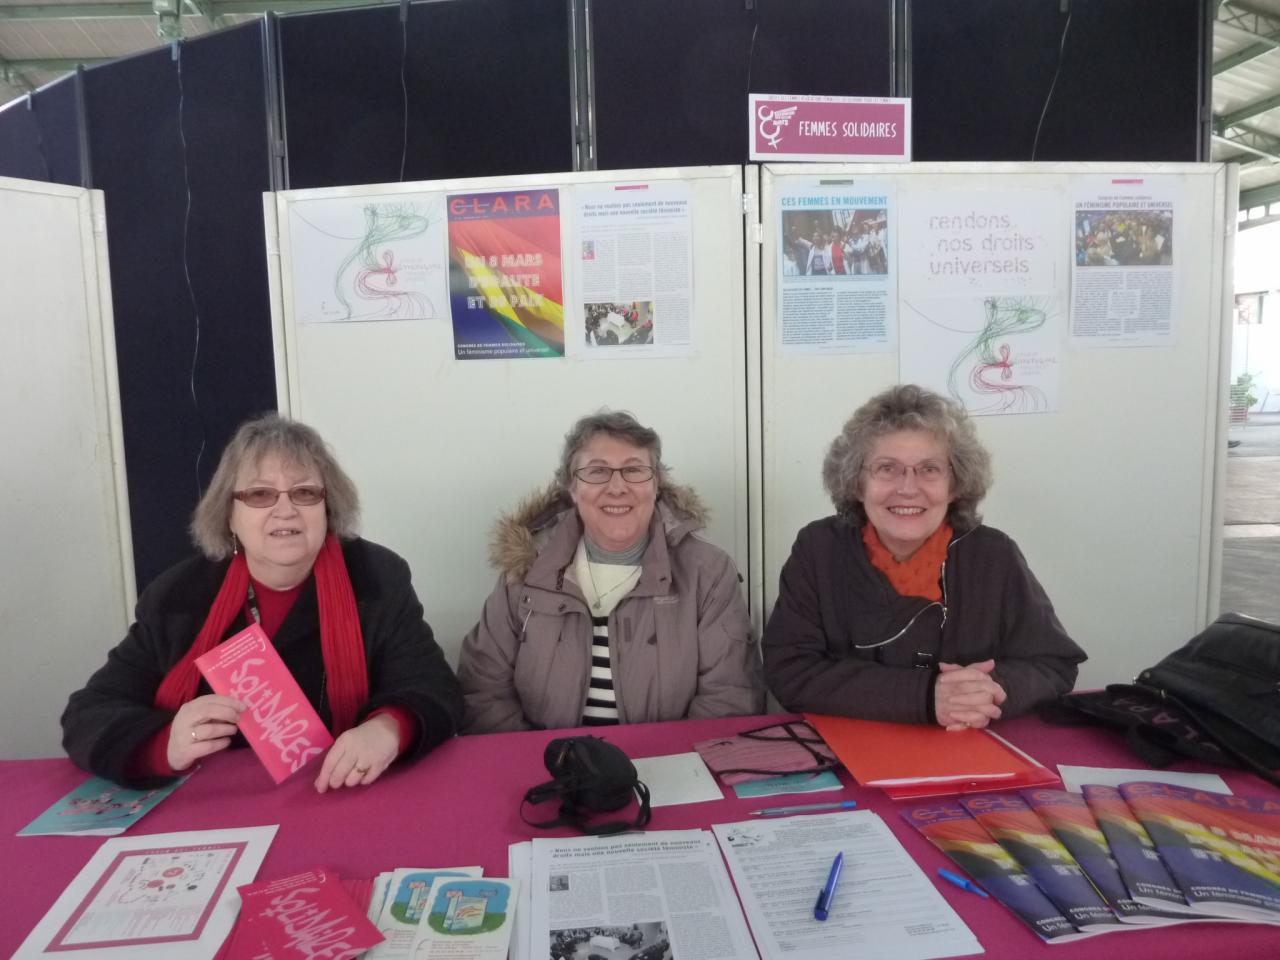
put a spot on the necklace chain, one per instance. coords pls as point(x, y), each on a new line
point(600, 597)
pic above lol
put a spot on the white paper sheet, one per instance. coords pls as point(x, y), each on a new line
point(167, 896)
point(635, 895)
point(884, 906)
point(678, 778)
point(1073, 777)
point(519, 867)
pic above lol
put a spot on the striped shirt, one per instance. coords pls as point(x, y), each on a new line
point(602, 705)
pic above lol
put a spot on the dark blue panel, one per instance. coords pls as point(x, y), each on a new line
point(1129, 88)
point(194, 360)
point(40, 135)
point(488, 92)
point(671, 75)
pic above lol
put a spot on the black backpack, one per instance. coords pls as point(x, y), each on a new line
point(1217, 698)
point(590, 776)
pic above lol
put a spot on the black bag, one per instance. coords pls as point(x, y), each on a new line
point(590, 776)
point(1216, 699)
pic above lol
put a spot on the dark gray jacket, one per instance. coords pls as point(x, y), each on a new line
point(842, 641)
point(114, 714)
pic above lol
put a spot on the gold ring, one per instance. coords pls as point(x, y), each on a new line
point(362, 770)
point(194, 738)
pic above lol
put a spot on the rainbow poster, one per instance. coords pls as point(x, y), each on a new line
point(506, 290)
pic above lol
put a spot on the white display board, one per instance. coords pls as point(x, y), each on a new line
point(1113, 491)
point(438, 446)
point(66, 578)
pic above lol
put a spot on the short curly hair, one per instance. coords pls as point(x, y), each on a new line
point(618, 424)
point(294, 443)
point(909, 407)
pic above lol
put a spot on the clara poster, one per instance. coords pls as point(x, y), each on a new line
point(505, 283)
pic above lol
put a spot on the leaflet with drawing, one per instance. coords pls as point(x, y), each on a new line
point(635, 896)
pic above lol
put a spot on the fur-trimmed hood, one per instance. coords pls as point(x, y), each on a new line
point(519, 535)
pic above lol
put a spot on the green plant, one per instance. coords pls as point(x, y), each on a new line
point(1242, 394)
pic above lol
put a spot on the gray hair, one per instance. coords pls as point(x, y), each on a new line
point(908, 407)
point(294, 443)
point(618, 424)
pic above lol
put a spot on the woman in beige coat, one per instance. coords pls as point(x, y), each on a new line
point(609, 607)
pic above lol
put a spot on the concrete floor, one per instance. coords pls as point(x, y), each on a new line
point(1251, 537)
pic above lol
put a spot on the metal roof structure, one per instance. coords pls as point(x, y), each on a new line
point(39, 42)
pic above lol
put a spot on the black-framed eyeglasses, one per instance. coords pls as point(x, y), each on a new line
point(599, 473)
point(303, 495)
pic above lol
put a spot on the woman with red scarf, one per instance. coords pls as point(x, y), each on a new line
point(276, 530)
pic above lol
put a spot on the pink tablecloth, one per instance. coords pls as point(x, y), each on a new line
point(460, 806)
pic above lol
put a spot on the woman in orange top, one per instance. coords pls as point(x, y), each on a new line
point(903, 606)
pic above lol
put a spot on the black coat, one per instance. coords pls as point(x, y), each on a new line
point(825, 650)
point(107, 721)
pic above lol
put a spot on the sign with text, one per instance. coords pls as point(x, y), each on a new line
point(829, 128)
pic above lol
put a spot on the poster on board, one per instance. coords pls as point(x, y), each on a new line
point(367, 258)
point(837, 269)
point(634, 270)
point(1122, 287)
point(982, 292)
point(505, 283)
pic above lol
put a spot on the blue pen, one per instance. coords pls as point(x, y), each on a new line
point(823, 907)
point(804, 808)
point(962, 882)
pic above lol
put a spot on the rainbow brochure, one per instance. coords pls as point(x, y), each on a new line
point(97, 808)
point(1072, 822)
point(1222, 850)
point(408, 894)
point(280, 725)
point(1015, 826)
point(950, 828)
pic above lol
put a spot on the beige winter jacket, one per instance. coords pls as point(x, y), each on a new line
point(680, 642)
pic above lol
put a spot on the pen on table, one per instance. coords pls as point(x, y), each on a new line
point(804, 808)
point(823, 907)
point(962, 882)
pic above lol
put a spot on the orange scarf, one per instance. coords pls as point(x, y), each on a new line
point(920, 575)
point(341, 640)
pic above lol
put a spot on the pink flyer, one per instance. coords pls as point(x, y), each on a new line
point(281, 726)
point(305, 915)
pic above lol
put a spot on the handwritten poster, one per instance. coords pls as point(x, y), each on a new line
point(505, 281)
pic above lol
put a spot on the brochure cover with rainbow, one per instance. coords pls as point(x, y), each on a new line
point(948, 826)
point(1223, 850)
point(1068, 816)
point(1023, 835)
point(1140, 866)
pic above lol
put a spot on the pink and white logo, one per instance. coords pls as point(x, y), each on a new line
point(829, 128)
point(772, 121)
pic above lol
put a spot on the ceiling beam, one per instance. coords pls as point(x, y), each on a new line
point(1223, 121)
point(74, 11)
point(55, 64)
point(1258, 23)
point(1261, 145)
point(1259, 196)
point(11, 76)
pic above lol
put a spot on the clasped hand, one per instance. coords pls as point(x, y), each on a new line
point(966, 695)
point(205, 725)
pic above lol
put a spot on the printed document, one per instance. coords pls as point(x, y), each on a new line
point(885, 908)
point(635, 895)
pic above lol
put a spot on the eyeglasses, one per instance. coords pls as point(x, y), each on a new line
point(891, 471)
point(303, 495)
point(599, 473)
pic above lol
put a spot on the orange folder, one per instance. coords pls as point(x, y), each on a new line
point(909, 760)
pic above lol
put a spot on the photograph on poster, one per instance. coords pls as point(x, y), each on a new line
point(637, 941)
point(619, 324)
point(1124, 238)
point(835, 242)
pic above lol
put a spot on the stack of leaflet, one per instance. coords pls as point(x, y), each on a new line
point(909, 760)
point(1115, 859)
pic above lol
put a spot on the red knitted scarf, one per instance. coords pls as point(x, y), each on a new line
point(341, 641)
point(920, 575)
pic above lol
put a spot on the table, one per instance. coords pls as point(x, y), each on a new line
point(460, 806)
